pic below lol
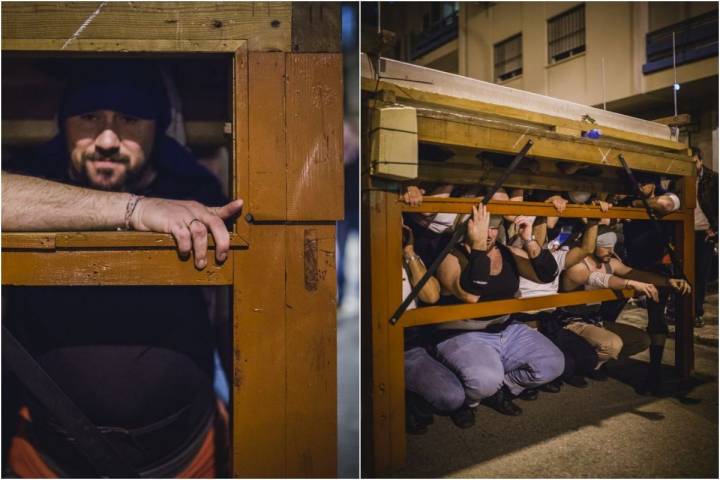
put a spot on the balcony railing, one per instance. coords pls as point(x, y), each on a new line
point(695, 39)
point(437, 34)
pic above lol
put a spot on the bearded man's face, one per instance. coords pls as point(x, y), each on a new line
point(109, 149)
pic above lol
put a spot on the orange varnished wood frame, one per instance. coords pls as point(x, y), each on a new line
point(383, 212)
point(288, 167)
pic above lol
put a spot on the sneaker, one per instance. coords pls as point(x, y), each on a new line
point(699, 322)
point(501, 401)
point(529, 394)
point(577, 381)
point(420, 409)
point(553, 387)
point(599, 375)
point(463, 417)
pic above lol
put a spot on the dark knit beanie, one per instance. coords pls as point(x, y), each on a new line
point(132, 87)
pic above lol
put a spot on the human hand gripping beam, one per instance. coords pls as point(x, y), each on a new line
point(457, 235)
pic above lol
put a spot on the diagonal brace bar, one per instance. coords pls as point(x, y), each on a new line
point(457, 235)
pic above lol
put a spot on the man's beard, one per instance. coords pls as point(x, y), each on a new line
point(124, 180)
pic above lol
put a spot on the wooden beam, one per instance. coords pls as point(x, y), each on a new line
point(433, 315)
point(311, 349)
point(443, 132)
point(145, 26)
point(267, 156)
point(129, 267)
point(316, 27)
point(679, 120)
point(416, 95)
point(314, 119)
point(259, 398)
point(100, 240)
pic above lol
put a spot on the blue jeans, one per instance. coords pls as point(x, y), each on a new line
point(518, 357)
point(432, 380)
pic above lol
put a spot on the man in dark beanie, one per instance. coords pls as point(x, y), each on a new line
point(138, 361)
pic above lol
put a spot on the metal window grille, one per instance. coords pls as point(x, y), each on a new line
point(566, 34)
point(508, 58)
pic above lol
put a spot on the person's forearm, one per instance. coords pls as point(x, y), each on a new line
point(533, 248)
point(647, 277)
point(617, 283)
point(540, 230)
point(590, 236)
point(35, 204)
point(430, 293)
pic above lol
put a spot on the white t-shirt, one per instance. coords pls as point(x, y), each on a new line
point(530, 289)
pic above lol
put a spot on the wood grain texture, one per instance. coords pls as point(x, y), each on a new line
point(314, 112)
point(539, 209)
point(265, 25)
point(433, 315)
point(482, 137)
point(316, 27)
point(241, 137)
point(378, 316)
point(419, 96)
point(267, 163)
point(259, 366)
point(311, 352)
point(131, 267)
point(81, 240)
point(396, 358)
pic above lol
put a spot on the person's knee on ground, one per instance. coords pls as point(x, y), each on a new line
point(476, 364)
point(432, 381)
point(634, 339)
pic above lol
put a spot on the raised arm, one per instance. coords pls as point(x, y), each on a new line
point(533, 262)
point(430, 293)
point(34, 204)
point(576, 254)
point(662, 204)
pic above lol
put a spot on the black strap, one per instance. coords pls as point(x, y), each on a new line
point(457, 235)
point(654, 220)
point(85, 436)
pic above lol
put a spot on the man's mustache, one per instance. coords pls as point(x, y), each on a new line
point(116, 158)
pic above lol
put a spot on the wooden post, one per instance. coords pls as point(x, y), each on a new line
point(685, 234)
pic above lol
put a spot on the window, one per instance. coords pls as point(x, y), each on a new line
point(508, 58)
point(695, 39)
point(566, 34)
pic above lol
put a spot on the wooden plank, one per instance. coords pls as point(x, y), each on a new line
point(259, 377)
point(540, 209)
point(265, 25)
point(267, 164)
point(685, 235)
point(311, 351)
point(131, 267)
point(28, 241)
point(241, 139)
point(122, 45)
point(493, 139)
point(433, 315)
point(316, 27)
point(680, 119)
point(413, 94)
point(378, 316)
point(395, 347)
point(81, 240)
point(314, 137)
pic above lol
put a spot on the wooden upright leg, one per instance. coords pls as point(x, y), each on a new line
point(684, 232)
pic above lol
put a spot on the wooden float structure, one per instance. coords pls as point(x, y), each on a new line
point(421, 124)
point(283, 126)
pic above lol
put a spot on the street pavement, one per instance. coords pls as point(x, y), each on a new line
point(604, 431)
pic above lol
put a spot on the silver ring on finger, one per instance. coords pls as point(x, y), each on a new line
point(189, 225)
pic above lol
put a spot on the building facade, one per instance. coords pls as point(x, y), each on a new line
point(618, 54)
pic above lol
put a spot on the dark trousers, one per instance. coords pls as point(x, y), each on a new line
point(703, 263)
point(580, 357)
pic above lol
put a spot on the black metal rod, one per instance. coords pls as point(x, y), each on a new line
point(457, 235)
point(86, 437)
point(654, 220)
